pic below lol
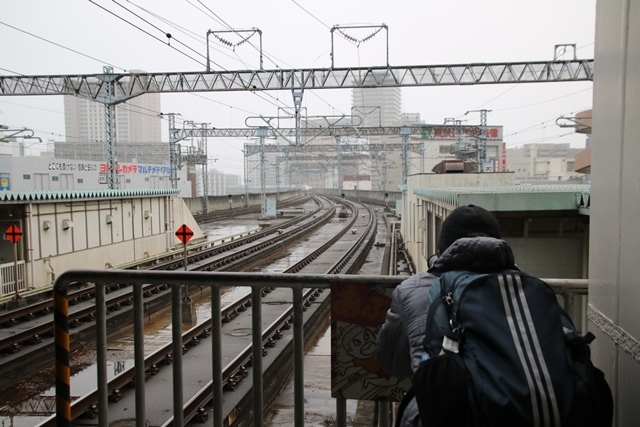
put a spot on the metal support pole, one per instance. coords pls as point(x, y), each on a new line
point(216, 356)
point(277, 180)
point(339, 165)
point(256, 360)
point(174, 150)
point(341, 412)
point(62, 351)
point(384, 414)
point(138, 344)
point(205, 169)
point(405, 132)
point(101, 341)
point(246, 179)
point(176, 334)
point(262, 134)
point(298, 357)
point(297, 104)
point(110, 129)
point(15, 270)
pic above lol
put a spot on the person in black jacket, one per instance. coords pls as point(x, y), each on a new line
point(470, 239)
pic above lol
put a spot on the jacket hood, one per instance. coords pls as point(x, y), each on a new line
point(478, 254)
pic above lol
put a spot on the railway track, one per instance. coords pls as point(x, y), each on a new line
point(235, 371)
point(30, 329)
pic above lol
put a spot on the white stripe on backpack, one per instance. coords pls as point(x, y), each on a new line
point(527, 345)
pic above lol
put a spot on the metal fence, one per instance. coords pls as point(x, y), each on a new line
point(568, 290)
point(8, 273)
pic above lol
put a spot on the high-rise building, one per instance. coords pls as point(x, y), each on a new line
point(379, 107)
point(138, 130)
point(136, 120)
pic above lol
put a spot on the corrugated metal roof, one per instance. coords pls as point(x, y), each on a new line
point(44, 195)
point(513, 197)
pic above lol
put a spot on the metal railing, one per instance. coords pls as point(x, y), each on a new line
point(567, 289)
point(8, 273)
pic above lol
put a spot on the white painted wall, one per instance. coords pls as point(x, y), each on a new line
point(614, 283)
point(101, 233)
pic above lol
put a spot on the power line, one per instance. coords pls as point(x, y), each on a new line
point(542, 102)
point(149, 34)
point(63, 47)
point(310, 14)
point(265, 54)
point(197, 37)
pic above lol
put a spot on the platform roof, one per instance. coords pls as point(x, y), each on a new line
point(48, 195)
point(514, 197)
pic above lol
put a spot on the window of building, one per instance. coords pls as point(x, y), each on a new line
point(128, 181)
point(146, 179)
point(54, 178)
point(80, 180)
point(26, 176)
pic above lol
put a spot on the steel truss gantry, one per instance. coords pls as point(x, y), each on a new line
point(422, 132)
point(129, 85)
point(112, 88)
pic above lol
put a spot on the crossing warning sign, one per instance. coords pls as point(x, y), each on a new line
point(184, 233)
point(13, 233)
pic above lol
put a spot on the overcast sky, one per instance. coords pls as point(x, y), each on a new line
point(43, 37)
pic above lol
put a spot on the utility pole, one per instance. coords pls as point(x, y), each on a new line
point(174, 150)
point(205, 169)
point(262, 133)
point(110, 128)
point(405, 132)
point(481, 139)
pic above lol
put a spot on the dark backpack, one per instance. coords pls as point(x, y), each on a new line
point(502, 352)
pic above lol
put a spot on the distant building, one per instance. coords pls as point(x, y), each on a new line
point(543, 162)
point(219, 184)
point(138, 130)
point(377, 107)
point(46, 174)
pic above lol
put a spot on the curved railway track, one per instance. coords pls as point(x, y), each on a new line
point(209, 258)
point(361, 219)
point(27, 346)
point(120, 297)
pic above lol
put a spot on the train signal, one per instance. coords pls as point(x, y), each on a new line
point(13, 233)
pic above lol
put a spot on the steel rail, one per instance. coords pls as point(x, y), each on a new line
point(11, 344)
point(195, 406)
point(233, 372)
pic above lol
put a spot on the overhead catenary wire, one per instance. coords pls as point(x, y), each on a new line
point(149, 34)
point(61, 46)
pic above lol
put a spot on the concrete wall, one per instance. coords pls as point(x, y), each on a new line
point(215, 203)
point(99, 234)
point(378, 196)
point(614, 284)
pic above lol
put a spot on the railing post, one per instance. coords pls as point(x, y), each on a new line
point(298, 357)
point(63, 370)
point(176, 333)
point(256, 360)
point(138, 344)
point(101, 338)
point(216, 356)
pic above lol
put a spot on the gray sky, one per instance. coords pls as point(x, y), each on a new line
point(296, 34)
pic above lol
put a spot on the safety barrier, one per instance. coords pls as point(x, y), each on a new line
point(8, 278)
point(567, 289)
